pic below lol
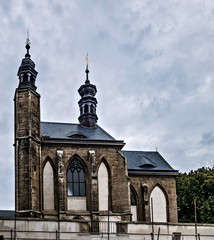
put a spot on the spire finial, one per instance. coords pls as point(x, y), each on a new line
point(27, 44)
point(87, 71)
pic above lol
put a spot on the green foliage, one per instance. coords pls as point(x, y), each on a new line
point(199, 185)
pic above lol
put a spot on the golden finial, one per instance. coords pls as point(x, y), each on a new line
point(28, 39)
point(86, 58)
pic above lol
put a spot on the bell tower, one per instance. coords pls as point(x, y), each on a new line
point(88, 103)
point(27, 140)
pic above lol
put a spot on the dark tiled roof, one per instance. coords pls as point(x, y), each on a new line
point(148, 162)
point(71, 131)
point(7, 213)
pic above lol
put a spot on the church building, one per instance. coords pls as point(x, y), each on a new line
point(73, 171)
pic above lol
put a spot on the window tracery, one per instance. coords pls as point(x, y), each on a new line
point(76, 179)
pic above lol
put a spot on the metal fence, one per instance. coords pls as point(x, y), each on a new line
point(97, 230)
point(35, 235)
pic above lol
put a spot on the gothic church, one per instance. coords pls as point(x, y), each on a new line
point(79, 171)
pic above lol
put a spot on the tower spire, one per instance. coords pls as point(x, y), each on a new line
point(88, 102)
point(87, 71)
point(27, 73)
point(27, 46)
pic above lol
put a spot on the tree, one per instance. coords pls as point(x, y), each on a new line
point(199, 185)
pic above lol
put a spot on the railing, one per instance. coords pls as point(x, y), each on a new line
point(103, 230)
point(54, 235)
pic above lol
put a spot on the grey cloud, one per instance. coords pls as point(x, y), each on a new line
point(6, 6)
point(207, 138)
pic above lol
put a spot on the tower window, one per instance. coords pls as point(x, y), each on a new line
point(25, 78)
point(86, 108)
point(75, 179)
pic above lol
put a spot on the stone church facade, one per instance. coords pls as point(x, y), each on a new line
point(77, 172)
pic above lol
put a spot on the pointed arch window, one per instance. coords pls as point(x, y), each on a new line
point(75, 179)
point(48, 187)
point(103, 187)
point(133, 204)
point(133, 197)
point(158, 204)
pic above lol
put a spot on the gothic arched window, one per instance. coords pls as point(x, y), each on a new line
point(75, 179)
point(48, 187)
point(133, 204)
point(103, 187)
point(133, 198)
point(158, 204)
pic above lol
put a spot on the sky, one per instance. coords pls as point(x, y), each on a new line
point(152, 63)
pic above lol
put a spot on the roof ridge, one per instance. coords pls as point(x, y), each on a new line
point(60, 123)
point(139, 151)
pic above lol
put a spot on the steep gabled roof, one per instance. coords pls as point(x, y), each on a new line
point(74, 132)
point(138, 161)
point(147, 162)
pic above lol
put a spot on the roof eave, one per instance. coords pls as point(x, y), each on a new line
point(82, 141)
point(154, 172)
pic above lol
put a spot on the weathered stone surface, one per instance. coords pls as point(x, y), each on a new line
point(27, 152)
point(118, 193)
point(32, 153)
point(149, 181)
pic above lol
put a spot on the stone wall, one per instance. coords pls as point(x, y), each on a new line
point(27, 152)
point(143, 185)
point(91, 156)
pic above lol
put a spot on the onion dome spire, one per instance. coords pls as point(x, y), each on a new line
point(27, 73)
point(88, 102)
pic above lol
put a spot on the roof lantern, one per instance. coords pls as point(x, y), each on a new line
point(88, 102)
point(27, 73)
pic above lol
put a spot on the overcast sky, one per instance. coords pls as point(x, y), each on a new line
point(152, 63)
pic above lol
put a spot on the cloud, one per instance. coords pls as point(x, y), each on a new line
point(207, 138)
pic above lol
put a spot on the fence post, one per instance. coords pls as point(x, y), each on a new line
point(11, 234)
point(152, 236)
point(158, 233)
point(14, 234)
point(195, 211)
point(108, 225)
point(56, 235)
point(198, 236)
